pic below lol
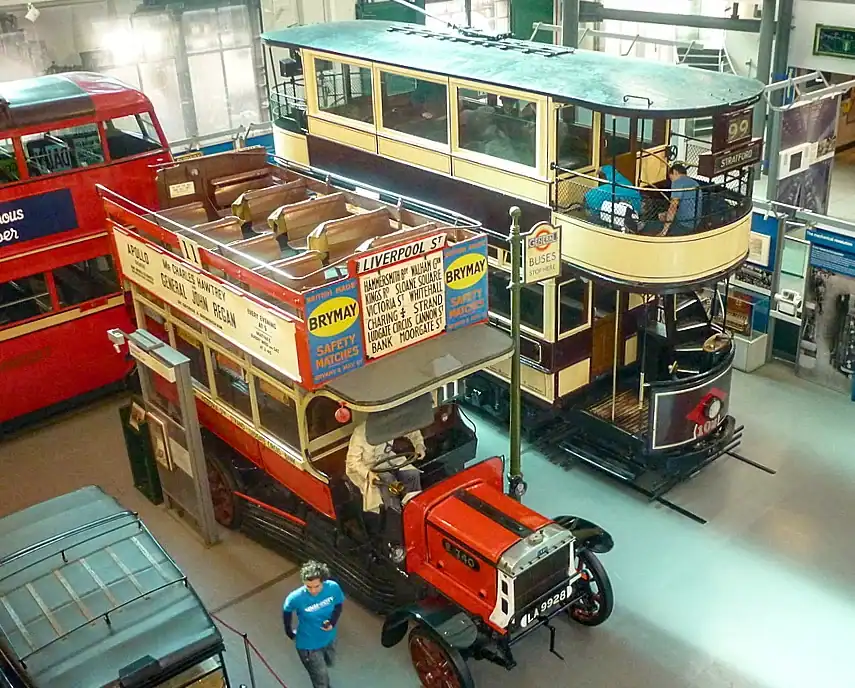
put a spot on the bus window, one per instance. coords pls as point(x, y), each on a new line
point(320, 417)
point(61, 150)
point(231, 384)
point(531, 295)
point(191, 347)
point(575, 137)
point(573, 301)
point(277, 413)
point(498, 126)
point(344, 90)
point(415, 107)
point(131, 135)
point(24, 298)
point(84, 281)
point(8, 163)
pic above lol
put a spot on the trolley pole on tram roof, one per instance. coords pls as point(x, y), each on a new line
point(516, 486)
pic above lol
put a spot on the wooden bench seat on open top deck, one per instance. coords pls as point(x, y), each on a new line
point(254, 206)
point(337, 239)
point(226, 190)
point(187, 215)
point(297, 221)
point(402, 235)
point(264, 248)
point(226, 230)
point(301, 272)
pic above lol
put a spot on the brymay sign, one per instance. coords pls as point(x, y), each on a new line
point(542, 253)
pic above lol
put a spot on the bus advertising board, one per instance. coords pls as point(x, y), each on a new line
point(395, 298)
point(262, 332)
point(33, 217)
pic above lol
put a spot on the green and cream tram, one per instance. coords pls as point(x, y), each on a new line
point(626, 349)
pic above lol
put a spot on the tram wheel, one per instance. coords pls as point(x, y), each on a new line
point(437, 665)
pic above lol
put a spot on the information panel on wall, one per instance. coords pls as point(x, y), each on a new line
point(265, 334)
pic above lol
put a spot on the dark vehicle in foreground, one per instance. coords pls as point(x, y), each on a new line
point(89, 598)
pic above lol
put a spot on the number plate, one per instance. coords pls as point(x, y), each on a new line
point(546, 605)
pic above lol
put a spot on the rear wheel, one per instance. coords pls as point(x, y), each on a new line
point(223, 486)
point(437, 664)
point(598, 602)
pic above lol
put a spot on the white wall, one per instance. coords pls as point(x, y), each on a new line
point(279, 14)
point(742, 48)
point(807, 14)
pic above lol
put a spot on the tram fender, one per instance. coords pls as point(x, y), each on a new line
point(588, 535)
point(447, 620)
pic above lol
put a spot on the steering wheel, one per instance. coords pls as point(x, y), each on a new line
point(390, 464)
point(671, 153)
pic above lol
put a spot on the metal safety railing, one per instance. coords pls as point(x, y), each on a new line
point(251, 651)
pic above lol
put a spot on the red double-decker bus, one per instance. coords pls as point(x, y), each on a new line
point(60, 135)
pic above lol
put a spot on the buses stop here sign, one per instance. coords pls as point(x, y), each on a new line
point(542, 253)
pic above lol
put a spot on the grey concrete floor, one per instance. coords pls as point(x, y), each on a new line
point(762, 596)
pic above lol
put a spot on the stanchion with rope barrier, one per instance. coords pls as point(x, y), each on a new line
point(248, 645)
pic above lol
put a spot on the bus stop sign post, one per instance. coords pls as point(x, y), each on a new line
point(153, 355)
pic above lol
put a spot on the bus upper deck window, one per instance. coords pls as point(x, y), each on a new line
point(24, 298)
point(344, 90)
point(8, 163)
point(415, 107)
point(131, 135)
point(60, 150)
point(498, 126)
point(90, 279)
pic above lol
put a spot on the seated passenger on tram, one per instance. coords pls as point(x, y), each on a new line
point(614, 202)
point(681, 217)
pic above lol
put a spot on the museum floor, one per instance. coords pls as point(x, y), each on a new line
point(763, 595)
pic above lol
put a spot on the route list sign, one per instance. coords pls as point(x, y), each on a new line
point(403, 302)
point(260, 331)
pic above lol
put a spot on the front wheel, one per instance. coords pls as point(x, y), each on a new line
point(437, 664)
point(598, 602)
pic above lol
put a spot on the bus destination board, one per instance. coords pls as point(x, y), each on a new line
point(260, 331)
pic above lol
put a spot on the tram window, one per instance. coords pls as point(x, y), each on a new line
point(616, 138)
point(277, 413)
point(531, 295)
point(498, 126)
point(84, 281)
point(605, 300)
point(320, 417)
point(651, 132)
point(192, 349)
point(60, 150)
point(575, 137)
point(232, 387)
point(344, 90)
point(415, 107)
point(573, 302)
point(24, 298)
point(8, 163)
point(131, 135)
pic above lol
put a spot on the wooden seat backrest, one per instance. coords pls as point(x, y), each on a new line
point(297, 267)
point(297, 221)
point(338, 238)
point(225, 190)
point(226, 230)
point(263, 248)
point(188, 215)
point(406, 234)
point(256, 204)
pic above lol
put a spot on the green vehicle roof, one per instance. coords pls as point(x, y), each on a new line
point(601, 82)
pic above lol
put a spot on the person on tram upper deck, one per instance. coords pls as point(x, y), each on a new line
point(681, 217)
point(615, 202)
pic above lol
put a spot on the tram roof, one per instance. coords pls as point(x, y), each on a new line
point(602, 82)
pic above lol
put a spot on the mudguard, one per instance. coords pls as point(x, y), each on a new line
point(454, 626)
point(588, 535)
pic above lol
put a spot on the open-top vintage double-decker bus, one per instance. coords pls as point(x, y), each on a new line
point(310, 308)
point(626, 348)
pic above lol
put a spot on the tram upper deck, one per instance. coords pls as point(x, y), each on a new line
point(579, 138)
point(313, 276)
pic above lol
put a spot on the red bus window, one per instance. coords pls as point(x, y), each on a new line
point(84, 281)
point(24, 298)
point(231, 384)
point(60, 150)
point(277, 413)
point(192, 349)
point(131, 135)
point(8, 163)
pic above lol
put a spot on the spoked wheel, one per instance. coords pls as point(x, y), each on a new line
point(226, 510)
point(597, 604)
point(437, 664)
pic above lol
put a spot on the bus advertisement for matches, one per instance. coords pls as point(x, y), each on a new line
point(395, 298)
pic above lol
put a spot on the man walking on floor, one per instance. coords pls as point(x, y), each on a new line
point(317, 604)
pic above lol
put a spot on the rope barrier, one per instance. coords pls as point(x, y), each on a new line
point(253, 648)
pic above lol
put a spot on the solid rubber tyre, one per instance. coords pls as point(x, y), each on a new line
point(436, 663)
point(596, 607)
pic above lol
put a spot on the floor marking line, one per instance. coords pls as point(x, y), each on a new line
point(254, 591)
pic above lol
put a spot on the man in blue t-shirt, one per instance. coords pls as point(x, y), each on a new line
point(682, 215)
point(317, 604)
